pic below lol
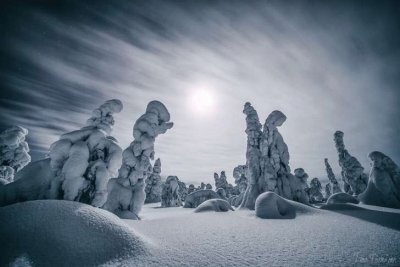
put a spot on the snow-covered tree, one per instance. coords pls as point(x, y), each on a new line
point(13, 153)
point(170, 196)
point(267, 158)
point(328, 190)
point(83, 161)
point(354, 178)
point(300, 191)
point(154, 184)
point(126, 193)
point(332, 179)
point(220, 181)
point(384, 182)
point(315, 191)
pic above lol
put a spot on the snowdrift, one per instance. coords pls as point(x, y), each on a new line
point(270, 205)
point(65, 233)
point(217, 205)
point(341, 198)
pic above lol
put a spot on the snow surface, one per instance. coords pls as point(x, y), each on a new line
point(239, 238)
point(345, 235)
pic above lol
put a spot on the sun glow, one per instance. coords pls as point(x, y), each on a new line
point(202, 101)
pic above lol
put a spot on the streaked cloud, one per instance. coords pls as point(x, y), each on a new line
point(325, 65)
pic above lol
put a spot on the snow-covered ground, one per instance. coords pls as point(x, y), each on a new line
point(358, 235)
point(320, 238)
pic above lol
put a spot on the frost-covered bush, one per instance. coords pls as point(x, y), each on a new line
point(83, 161)
point(126, 193)
point(13, 153)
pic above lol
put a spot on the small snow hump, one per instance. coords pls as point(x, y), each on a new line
point(217, 205)
point(341, 198)
point(271, 206)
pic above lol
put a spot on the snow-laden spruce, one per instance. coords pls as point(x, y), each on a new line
point(191, 189)
point(13, 153)
point(354, 178)
point(328, 190)
point(315, 191)
point(332, 179)
point(154, 184)
point(267, 158)
point(170, 196)
point(83, 161)
point(182, 190)
point(384, 182)
point(126, 193)
point(220, 181)
point(239, 174)
point(238, 191)
point(300, 187)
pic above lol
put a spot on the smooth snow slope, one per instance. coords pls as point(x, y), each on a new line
point(320, 238)
point(64, 233)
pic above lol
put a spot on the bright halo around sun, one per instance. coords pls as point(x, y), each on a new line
point(202, 101)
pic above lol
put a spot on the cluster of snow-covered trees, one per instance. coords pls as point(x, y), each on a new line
point(89, 166)
point(267, 169)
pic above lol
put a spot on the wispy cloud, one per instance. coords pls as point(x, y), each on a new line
point(323, 66)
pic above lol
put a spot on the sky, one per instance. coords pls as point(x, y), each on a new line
point(327, 65)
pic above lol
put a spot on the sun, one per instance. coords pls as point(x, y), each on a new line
point(202, 101)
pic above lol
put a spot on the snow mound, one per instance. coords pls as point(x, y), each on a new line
point(269, 205)
point(193, 200)
point(65, 233)
point(340, 206)
point(214, 205)
point(341, 198)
